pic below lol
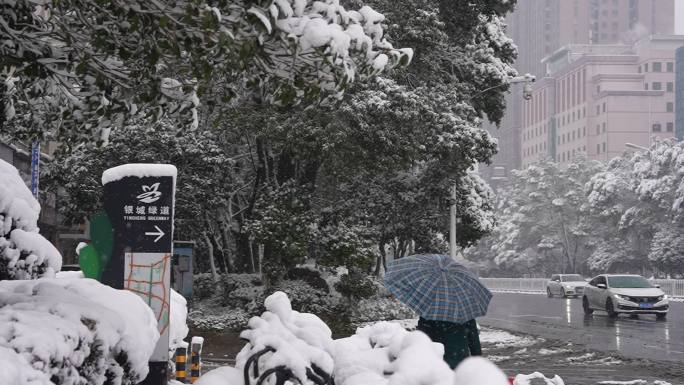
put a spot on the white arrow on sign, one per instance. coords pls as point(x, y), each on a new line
point(159, 233)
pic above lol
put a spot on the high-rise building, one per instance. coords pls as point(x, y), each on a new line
point(597, 98)
point(679, 89)
point(541, 27)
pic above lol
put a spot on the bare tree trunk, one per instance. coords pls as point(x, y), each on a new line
point(251, 256)
point(379, 261)
point(260, 247)
point(212, 263)
point(227, 252)
point(384, 262)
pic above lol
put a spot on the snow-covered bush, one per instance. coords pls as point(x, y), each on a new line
point(355, 285)
point(232, 319)
point(203, 286)
point(309, 275)
point(24, 253)
point(73, 331)
point(237, 290)
point(381, 309)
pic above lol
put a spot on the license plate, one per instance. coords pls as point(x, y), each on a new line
point(646, 305)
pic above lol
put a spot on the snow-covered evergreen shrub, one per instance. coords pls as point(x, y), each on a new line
point(234, 319)
point(75, 332)
point(356, 285)
point(237, 290)
point(303, 297)
point(310, 276)
point(24, 253)
point(203, 286)
point(380, 309)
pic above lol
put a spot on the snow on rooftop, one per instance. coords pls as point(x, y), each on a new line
point(139, 170)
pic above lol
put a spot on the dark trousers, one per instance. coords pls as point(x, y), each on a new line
point(460, 340)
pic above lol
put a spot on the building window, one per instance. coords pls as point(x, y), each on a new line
point(604, 106)
point(598, 110)
point(603, 127)
point(598, 148)
point(604, 146)
point(558, 139)
point(670, 87)
point(584, 131)
point(645, 67)
point(639, 68)
point(670, 67)
point(657, 86)
point(598, 89)
point(670, 127)
point(656, 127)
point(573, 135)
point(669, 107)
point(598, 129)
point(657, 67)
point(646, 86)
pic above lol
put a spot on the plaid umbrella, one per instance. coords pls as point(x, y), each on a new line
point(438, 288)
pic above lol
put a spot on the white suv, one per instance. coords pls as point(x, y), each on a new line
point(565, 285)
point(621, 293)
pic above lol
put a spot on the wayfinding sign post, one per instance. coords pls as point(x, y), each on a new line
point(139, 201)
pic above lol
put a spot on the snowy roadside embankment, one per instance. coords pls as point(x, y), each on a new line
point(24, 253)
point(73, 331)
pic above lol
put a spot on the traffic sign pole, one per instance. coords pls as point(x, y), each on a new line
point(139, 202)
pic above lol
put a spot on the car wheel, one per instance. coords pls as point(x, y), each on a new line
point(661, 316)
point(563, 295)
point(610, 309)
point(548, 293)
point(586, 307)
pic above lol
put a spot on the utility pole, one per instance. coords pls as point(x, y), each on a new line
point(527, 79)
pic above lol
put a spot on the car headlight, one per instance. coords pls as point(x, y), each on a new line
point(662, 297)
point(625, 297)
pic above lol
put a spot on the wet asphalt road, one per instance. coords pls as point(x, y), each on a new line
point(563, 319)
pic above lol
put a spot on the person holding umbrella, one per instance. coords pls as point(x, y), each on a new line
point(448, 298)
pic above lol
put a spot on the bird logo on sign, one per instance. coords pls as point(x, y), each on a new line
point(150, 194)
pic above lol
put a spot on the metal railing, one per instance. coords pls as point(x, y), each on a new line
point(672, 287)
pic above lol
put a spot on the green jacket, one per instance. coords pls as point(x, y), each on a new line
point(460, 340)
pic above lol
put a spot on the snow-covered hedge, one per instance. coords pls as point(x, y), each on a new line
point(24, 253)
point(73, 332)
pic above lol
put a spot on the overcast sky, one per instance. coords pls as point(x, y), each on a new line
point(679, 17)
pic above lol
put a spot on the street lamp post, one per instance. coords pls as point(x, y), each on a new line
point(527, 79)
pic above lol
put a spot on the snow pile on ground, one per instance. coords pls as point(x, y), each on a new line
point(24, 253)
point(178, 328)
point(385, 353)
point(633, 382)
point(479, 371)
point(73, 331)
point(221, 376)
point(526, 379)
point(502, 338)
